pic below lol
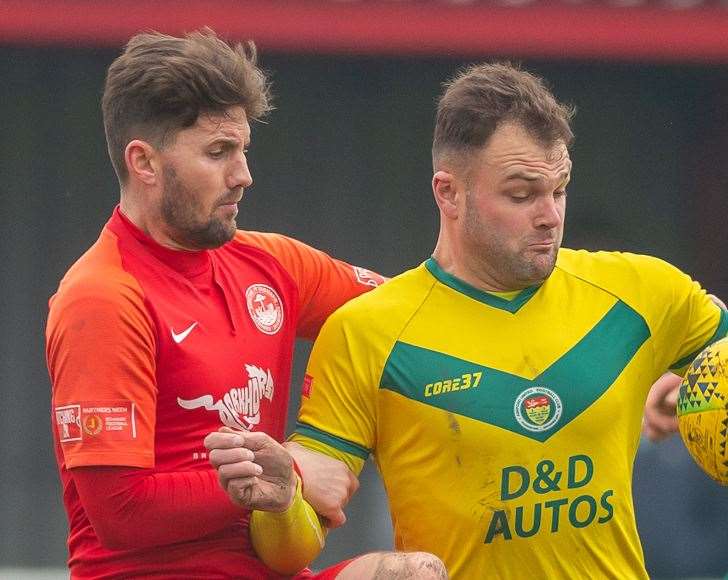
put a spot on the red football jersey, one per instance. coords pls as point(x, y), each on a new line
point(150, 349)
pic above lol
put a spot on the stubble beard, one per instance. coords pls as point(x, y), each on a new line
point(517, 270)
point(514, 269)
point(180, 211)
point(537, 269)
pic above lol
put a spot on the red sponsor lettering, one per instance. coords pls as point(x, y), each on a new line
point(307, 386)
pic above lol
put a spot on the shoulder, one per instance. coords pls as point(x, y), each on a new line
point(616, 269)
point(98, 278)
point(271, 243)
point(388, 307)
point(360, 335)
point(291, 256)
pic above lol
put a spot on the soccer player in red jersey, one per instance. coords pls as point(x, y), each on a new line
point(174, 323)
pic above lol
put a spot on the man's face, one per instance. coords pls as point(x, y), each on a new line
point(514, 208)
point(204, 173)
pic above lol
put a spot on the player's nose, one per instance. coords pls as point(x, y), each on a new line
point(548, 214)
point(239, 175)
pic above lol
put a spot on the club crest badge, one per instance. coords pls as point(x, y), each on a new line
point(92, 424)
point(265, 308)
point(537, 409)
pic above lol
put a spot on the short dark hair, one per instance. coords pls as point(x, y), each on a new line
point(482, 97)
point(161, 84)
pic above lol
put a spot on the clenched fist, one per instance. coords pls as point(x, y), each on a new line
point(253, 468)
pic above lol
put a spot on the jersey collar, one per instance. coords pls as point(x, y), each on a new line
point(511, 306)
point(187, 263)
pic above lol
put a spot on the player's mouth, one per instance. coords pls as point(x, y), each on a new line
point(542, 246)
point(231, 204)
point(229, 209)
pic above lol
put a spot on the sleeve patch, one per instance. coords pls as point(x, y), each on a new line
point(68, 422)
point(109, 420)
point(307, 386)
point(367, 277)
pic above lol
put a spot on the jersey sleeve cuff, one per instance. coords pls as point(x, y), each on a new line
point(333, 441)
point(114, 459)
point(720, 332)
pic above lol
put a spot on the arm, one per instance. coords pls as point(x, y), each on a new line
point(660, 419)
point(132, 508)
point(288, 541)
point(336, 428)
point(240, 468)
point(699, 319)
point(257, 473)
point(101, 353)
point(329, 482)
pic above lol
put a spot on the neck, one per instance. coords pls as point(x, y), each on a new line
point(453, 260)
point(148, 220)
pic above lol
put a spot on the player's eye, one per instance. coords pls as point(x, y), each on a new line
point(216, 153)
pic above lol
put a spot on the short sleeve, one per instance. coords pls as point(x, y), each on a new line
point(690, 320)
point(100, 348)
point(324, 283)
point(339, 398)
point(712, 318)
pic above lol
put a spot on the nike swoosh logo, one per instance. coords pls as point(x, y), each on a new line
point(184, 334)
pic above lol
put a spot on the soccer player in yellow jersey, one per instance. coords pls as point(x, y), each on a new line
point(500, 385)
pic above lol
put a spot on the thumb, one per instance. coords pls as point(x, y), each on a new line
point(671, 398)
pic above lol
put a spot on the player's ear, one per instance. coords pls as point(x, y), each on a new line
point(142, 162)
point(446, 188)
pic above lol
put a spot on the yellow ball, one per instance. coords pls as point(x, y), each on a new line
point(702, 410)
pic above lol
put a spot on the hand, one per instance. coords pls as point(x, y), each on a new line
point(328, 484)
point(254, 469)
point(660, 419)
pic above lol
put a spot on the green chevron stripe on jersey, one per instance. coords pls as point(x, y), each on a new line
point(511, 306)
point(578, 378)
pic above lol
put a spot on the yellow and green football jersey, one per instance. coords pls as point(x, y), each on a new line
point(505, 430)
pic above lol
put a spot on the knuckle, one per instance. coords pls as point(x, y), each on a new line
point(213, 441)
point(228, 471)
point(214, 458)
point(242, 454)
